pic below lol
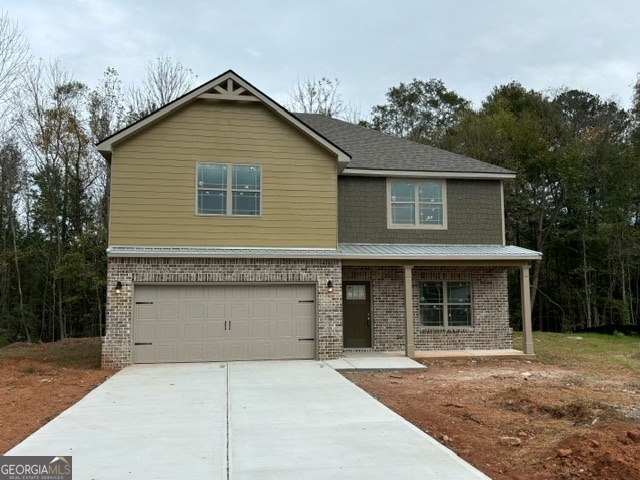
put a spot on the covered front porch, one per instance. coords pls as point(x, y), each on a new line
point(430, 300)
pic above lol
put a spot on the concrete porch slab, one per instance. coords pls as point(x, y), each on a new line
point(363, 362)
point(452, 354)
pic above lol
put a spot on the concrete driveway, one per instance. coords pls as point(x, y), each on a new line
point(244, 420)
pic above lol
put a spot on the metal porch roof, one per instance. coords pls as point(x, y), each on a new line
point(344, 251)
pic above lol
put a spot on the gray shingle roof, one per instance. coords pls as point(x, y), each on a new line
point(373, 150)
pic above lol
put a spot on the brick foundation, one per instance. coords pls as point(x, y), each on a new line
point(116, 346)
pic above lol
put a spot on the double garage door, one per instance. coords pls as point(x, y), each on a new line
point(173, 323)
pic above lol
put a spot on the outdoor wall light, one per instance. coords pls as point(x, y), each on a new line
point(118, 288)
point(330, 286)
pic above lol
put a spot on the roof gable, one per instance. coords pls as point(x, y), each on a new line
point(376, 153)
point(226, 87)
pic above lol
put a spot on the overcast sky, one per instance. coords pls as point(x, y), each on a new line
point(472, 45)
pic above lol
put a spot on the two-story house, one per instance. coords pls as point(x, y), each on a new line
point(241, 231)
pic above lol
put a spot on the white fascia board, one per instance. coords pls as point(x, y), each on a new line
point(415, 174)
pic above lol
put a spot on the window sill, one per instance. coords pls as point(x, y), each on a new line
point(416, 227)
point(425, 328)
point(224, 215)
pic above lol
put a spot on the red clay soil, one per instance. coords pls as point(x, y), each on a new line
point(32, 393)
point(520, 420)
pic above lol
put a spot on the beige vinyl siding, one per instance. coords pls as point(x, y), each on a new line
point(153, 177)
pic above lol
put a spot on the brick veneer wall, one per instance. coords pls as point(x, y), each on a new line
point(116, 345)
point(490, 328)
point(489, 290)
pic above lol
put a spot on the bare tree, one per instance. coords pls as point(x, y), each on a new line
point(14, 58)
point(316, 96)
point(106, 106)
point(323, 98)
point(164, 81)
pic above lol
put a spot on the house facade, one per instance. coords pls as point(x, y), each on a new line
point(241, 231)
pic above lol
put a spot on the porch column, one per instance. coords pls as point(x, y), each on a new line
point(527, 340)
point(408, 304)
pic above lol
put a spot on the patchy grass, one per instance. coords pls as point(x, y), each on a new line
point(585, 349)
point(76, 353)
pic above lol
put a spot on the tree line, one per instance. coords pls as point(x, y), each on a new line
point(576, 197)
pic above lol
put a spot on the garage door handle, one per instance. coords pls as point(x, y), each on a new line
point(143, 343)
point(306, 339)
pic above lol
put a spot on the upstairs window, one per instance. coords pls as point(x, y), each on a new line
point(228, 189)
point(416, 204)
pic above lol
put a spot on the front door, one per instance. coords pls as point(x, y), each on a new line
point(356, 308)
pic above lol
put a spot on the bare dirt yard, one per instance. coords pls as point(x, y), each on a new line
point(573, 412)
point(39, 381)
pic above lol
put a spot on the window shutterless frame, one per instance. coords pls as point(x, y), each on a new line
point(416, 225)
point(228, 189)
point(445, 304)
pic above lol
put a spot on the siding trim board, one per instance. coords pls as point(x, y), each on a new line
point(361, 172)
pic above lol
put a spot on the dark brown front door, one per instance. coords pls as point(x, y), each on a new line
point(356, 308)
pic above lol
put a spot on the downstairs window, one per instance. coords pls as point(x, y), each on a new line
point(445, 304)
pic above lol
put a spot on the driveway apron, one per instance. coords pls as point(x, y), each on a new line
point(243, 420)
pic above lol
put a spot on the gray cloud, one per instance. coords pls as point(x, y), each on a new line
point(369, 45)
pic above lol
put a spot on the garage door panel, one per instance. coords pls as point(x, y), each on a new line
point(285, 329)
point(214, 331)
point(239, 329)
point(145, 331)
point(221, 323)
point(214, 352)
point(166, 353)
point(240, 292)
point(305, 349)
point(195, 293)
point(239, 310)
point(260, 310)
point(304, 330)
point(194, 352)
point(195, 310)
point(146, 312)
point(261, 351)
point(305, 309)
point(237, 351)
point(260, 330)
point(217, 311)
point(168, 311)
point(284, 310)
point(144, 354)
point(194, 331)
point(167, 331)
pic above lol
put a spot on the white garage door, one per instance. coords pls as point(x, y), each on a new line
point(218, 323)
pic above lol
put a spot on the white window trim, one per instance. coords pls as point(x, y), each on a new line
point(229, 190)
point(445, 304)
point(417, 225)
